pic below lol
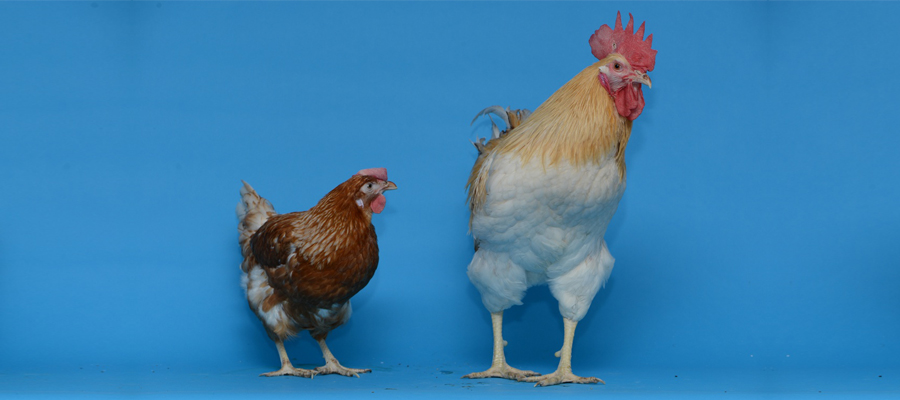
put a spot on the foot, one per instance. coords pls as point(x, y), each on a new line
point(335, 368)
point(502, 371)
point(560, 377)
point(291, 371)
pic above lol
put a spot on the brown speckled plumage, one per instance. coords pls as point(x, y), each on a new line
point(317, 258)
point(302, 268)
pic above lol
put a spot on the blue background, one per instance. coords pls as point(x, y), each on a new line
point(756, 245)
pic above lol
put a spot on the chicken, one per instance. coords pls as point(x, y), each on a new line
point(300, 269)
point(542, 193)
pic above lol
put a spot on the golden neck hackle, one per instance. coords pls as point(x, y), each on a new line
point(579, 123)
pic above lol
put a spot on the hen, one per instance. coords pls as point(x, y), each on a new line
point(542, 193)
point(300, 269)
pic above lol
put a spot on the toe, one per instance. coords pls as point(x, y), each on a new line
point(529, 374)
point(474, 375)
point(523, 376)
point(304, 373)
point(505, 372)
point(324, 370)
point(559, 378)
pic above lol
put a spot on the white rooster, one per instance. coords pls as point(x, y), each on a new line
point(542, 193)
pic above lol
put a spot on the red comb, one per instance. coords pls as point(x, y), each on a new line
point(625, 42)
point(380, 173)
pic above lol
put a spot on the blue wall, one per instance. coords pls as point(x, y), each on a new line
point(759, 228)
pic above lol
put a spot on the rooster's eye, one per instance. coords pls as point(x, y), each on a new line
point(617, 66)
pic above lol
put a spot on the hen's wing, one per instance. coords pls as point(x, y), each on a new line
point(308, 264)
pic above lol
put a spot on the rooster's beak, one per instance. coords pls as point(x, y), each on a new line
point(390, 186)
point(641, 77)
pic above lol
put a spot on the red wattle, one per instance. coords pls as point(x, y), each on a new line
point(630, 102)
point(377, 205)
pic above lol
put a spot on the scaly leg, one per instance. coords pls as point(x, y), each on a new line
point(286, 367)
point(499, 368)
point(564, 373)
point(332, 366)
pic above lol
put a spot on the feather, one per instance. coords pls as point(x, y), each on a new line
point(578, 124)
point(302, 268)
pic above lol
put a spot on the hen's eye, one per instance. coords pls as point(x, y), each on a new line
point(369, 185)
point(617, 66)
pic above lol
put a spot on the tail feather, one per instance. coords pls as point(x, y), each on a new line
point(252, 212)
point(512, 119)
point(478, 176)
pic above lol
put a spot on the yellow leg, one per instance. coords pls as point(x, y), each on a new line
point(564, 373)
point(332, 366)
point(499, 368)
point(286, 367)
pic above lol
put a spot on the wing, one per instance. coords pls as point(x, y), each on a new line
point(310, 264)
point(274, 249)
point(273, 243)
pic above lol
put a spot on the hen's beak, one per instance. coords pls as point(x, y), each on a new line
point(390, 186)
point(641, 77)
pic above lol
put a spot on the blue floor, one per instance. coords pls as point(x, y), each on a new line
point(402, 381)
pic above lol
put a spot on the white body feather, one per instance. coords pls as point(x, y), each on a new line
point(544, 224)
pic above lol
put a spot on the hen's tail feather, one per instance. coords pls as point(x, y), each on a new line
point(252, 212)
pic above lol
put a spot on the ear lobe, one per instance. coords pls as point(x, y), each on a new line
point(604, 81)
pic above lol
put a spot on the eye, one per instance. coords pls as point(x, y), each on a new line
point(617, 66)
point(369, 186)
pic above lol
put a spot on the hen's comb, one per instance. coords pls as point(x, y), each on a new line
point(625, 42)
point(380, 173)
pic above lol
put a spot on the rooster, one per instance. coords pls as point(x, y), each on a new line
point(300, 269)
point(542, 193)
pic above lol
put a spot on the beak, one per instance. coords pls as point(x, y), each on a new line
point(389, 186)
point(641, 77)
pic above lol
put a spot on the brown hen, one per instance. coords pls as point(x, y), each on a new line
point(300, 269)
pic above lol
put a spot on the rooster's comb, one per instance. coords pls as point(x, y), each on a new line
point(625, 42)
point(380, 173)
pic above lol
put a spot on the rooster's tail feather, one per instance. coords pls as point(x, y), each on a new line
point(512, 119)
point(478, 177)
